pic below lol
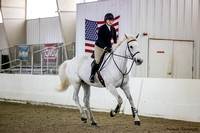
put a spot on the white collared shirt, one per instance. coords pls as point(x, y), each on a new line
point(108, 26)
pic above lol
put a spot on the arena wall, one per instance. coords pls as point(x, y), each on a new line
point(166, 98)
point(160, 19)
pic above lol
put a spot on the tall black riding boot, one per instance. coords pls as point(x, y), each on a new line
point(94, 68)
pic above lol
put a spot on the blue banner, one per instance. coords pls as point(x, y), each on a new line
point(23, 52)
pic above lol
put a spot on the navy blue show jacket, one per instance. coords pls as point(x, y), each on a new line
point(105, 35)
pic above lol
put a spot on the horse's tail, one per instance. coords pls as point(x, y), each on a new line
point(65, 83)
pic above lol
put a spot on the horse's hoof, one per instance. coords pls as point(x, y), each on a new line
point(94, 124)
point(112, 113)
point(137, 123)
point(84, 120)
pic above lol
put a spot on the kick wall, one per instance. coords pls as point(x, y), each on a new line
point(166, 98)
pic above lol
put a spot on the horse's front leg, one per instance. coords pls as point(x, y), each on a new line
point(126, 89)
point(114, 92)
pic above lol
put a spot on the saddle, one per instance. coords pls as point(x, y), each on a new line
point(92, 56)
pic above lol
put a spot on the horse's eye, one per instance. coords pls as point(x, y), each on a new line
point(131, 47)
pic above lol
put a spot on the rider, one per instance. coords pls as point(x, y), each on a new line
point(103, 43)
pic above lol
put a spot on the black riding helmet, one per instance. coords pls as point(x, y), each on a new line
point(108, 16)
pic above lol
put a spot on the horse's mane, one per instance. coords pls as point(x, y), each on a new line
point(122, 41)
point(115, 46)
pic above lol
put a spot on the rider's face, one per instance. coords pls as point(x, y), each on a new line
point(109, 22)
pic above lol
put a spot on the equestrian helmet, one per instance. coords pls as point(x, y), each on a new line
point(109, 16)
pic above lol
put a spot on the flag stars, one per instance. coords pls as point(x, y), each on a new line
point(90, 30)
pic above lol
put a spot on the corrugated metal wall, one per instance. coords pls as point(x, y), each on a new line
point(44, 30)
point(166, 19)
point(33, 31)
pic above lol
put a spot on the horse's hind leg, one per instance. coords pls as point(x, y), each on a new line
point(76, 99)
point(86, 101)
point(126, 89)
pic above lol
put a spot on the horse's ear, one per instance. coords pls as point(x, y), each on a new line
point(126, 36)
point(137, 35)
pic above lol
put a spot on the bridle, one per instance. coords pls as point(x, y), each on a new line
point(132, 55)
point(112, 55)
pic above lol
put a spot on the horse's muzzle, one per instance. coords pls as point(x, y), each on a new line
point(138, 61)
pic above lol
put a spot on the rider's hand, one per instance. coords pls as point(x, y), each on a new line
point(107, 49)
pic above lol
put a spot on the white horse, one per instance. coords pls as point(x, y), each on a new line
point(114, 73)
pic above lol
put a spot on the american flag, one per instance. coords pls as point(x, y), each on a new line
point(91, 30)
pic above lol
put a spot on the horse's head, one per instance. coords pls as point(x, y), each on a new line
point(133, 49)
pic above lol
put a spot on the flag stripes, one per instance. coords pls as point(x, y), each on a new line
point(91, 30)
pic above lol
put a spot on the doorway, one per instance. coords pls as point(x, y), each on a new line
point(170, 59)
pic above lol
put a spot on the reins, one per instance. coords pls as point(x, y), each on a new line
point(112, 55)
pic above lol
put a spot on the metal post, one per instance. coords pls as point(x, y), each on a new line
point(73, 44)
point(41, 63)
point(15, 56)
point(65, 50)
point(47, 62)
point(0, 58)
point(31, 59)
point(57, 59)
point(20, 67)
point(62, 54)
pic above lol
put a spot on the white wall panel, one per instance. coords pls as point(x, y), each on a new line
point(68, 26)
point(152, 96)
point(15, 3)
point(166, 19)
point(3, 40)
point(18, 13)
point(183, 59)
point(45, 30)
point(68, 5)
point(13, 12)
point(15, 31)
point(67, 14)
